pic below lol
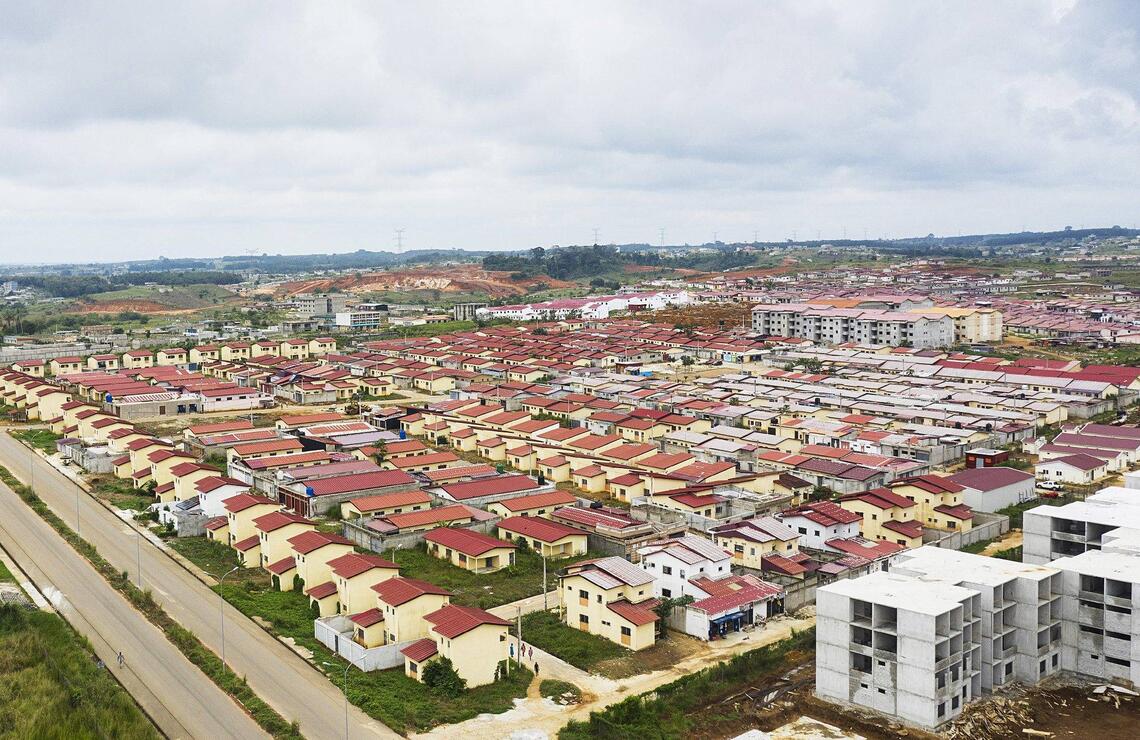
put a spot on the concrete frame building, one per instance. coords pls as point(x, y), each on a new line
point(900, 645)
point(1052, 532)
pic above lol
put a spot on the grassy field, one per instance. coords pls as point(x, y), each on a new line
point(546, 631)
point(553, 689)
point(120, 494)
point(1014, 512)
point(174, 298)
point(41, 439)
point(484, 590)
point(402, 703)
point(52, 687)
point(6, 575)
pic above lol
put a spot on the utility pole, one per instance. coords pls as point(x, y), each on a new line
point(544, 606)
point(595, 236)
point(518, 618)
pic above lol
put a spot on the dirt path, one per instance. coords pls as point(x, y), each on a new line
point(540, 719)
point(1010, 539)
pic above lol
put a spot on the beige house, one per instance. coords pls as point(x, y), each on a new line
point(313, 551)
point(405, 602)
point(470, 550)
point(136, 359)
point(242, 510)
point(275, 530)
point(549, 539)
point(474, 640)
point(610, 597)
point(355, 574)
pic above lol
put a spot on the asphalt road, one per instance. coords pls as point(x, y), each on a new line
point(279, 676)
point(181, 700)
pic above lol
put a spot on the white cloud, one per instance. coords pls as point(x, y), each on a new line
point(152, 128)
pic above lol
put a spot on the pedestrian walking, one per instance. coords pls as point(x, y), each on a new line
point(121, 659)
point(536, 667)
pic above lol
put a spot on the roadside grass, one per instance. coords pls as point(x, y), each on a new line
point(52, 686)
point(1012, 553)
point(6, 575)
point(484, 590)
point(674, 710)
point(216, 559)
point(41, 439)
point(580, 649)
point(120, 494)
point(402, 703)
point(185, 640)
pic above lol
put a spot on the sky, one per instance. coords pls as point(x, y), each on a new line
point(133, 130)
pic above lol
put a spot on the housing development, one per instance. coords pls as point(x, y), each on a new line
point(934, 509)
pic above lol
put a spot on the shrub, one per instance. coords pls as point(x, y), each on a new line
point(440, 677)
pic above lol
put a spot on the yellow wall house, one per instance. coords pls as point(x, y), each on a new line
point(550, 539)
point(470, 550)
point(355, 574)
point(66, 365)
point(186, 476)
point(241, 510)
point(136, 359)
point(385, 503)
point(312, 552)
point(275, 529)
point(751, 540)
point(887, 516)
point(475, 641)
point(939, 500)
point(171, 356)
point(405, 602)
point(610, 597)
point(536, 504)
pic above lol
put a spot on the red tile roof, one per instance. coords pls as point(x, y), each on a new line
point(243, 501)
point(322, 591)
point(489, 487)
point(275, 520)
point(307, 542)
point(282, 566)
point(360, 482)
point(537, 500)
point(420, 650)
point(465, 541)
point(637, 614)
point(368, 618)
point(452, 620)
point(538, 528)
point(400, 590)
point(353, 564)
point(381, 501)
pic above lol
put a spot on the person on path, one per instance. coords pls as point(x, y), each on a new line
point(536, 667)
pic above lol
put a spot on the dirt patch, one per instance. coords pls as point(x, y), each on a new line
point(450, 279)
point(140, 306)
point(664, 654)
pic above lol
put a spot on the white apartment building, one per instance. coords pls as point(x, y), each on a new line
point(900, 645)
point(1052, 532)
point(862, 326)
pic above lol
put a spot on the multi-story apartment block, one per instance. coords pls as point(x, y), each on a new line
point(1052, 532)
point(900, 645)
point(862, 326)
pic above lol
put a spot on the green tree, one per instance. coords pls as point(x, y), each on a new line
point(665, 609)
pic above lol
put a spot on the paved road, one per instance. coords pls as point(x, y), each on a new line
point(181, 700)
point(279, 676)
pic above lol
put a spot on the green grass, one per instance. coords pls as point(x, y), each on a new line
point(41, 439)
point(185, 640)
point(5, 574)
point(1012, 553)
point(560, 690)
point(673, 710)
point(52, 687)
point(483, 590)
point(174, 297)
point(580, 649)
point(216, 559)
point(120, 494)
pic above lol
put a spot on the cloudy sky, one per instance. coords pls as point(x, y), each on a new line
point(131, 130)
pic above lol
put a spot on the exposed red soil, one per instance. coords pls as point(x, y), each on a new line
point(450, 279)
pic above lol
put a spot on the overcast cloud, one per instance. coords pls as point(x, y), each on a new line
point(200, 128)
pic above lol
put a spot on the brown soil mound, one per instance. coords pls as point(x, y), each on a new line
point(450, 279)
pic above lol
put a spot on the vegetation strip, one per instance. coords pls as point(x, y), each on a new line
point(185, 640)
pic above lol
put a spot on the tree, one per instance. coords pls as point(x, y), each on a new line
point(381, 452)
point(440, 676)
point(665, 609)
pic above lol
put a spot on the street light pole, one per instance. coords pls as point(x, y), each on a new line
point(222, 615)
point(346, 669)
point(77, 510)
point(138, 554)
point(544, 596)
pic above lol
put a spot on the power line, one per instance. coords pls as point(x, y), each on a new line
point(399, 241)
